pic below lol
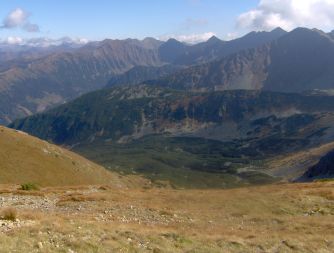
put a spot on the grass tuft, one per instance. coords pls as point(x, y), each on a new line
point(9, 214)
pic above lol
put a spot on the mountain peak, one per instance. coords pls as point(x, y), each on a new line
point(278, 30)
point(214, 39)
point(173, 41)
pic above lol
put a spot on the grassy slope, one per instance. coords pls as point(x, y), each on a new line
point(26, 159)
point(276, 218)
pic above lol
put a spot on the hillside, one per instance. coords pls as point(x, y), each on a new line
point(297, 61)
point(224, 137)
point(322, 170)
point(139, 74)
point(26, 159)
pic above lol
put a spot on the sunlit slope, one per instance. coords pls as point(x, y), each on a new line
point(24, 158)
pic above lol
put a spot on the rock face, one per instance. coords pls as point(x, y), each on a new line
point(323, 169)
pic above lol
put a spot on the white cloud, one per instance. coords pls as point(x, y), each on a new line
point(16, 18)
point(19, 18)
point(14, 40)
point(289, 14)
point(231, 36)
point(44, 42)
point(190, 38)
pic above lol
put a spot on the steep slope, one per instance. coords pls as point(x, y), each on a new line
point(59, 77)
point(139, 74)
point(178, 53)
point(323, 169)
point(297, 61)
point(26, 159)
point(301, 60)
point(244, 70)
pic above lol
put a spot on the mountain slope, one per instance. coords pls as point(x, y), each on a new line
point(323, 169)
point(179, 135)
point(297, 61)
point(175, 52)
point(139, 74)
point(56, 78)
point(26, 159)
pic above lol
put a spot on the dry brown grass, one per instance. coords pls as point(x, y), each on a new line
point(78, 197)
point(9, 213)
point(27, 159)
point(275, 218)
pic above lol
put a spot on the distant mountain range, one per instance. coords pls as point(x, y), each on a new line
point(295, 62)
point(37, 79)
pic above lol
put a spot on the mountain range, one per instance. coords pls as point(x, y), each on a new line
point(34, 83)
point(219, 110)
point(295, 62)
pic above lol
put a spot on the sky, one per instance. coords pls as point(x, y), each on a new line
point(187, 20)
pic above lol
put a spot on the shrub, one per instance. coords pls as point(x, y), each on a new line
point(9, 214)
point(29, 187)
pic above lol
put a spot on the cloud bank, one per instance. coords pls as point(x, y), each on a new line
point(289, 14)
point(43, 42)
point(189, 38)
point(19, 18)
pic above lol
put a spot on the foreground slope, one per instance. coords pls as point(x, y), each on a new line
point(26, 159)
point(278, 218)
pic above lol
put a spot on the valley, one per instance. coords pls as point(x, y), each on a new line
point(190, 139)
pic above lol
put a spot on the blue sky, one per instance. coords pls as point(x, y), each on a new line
point(187, 20)
point(100, 19)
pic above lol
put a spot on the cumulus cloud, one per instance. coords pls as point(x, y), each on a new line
point(289, 14)
point(19, 18)
point(190, 38)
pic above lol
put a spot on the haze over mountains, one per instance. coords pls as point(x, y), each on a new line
point(241, 102)
point(273, 61)
point(33, 83)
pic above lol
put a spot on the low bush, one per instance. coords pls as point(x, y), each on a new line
point(29, 187)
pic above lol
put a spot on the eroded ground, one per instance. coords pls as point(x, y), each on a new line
point(278, 218)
